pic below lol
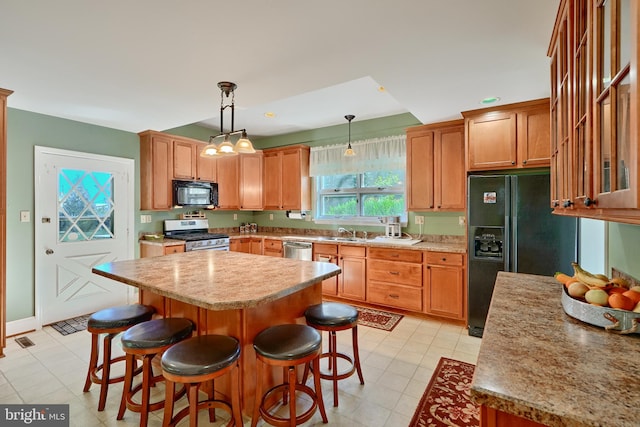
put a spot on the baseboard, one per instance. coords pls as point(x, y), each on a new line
point(21, 326)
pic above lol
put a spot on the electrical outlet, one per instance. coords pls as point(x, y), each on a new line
point(25, 216)
point(270, 217)
point(419, 219)
point(235, 217)
point(461, 220)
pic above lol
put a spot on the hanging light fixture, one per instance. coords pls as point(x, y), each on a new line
point(349, 151)
point(226, 147)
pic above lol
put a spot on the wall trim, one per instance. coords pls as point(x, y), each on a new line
point(21, 326)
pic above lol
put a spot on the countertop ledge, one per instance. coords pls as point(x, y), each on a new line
point(538, 363)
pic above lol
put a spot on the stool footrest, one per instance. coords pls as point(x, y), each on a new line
point(279, 421)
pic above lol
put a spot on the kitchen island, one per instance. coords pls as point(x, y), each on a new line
point(226, 293)
point(539, 366)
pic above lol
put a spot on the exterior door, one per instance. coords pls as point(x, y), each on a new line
point(83, 217)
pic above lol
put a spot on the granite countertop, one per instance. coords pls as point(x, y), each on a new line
point(537, 362)
point(219, 280)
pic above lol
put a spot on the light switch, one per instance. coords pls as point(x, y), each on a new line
point(25, 216)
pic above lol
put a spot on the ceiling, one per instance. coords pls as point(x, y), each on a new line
point(155, 64)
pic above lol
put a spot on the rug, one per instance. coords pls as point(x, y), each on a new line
point(69, 326)
point(378, 319)
point(446, 401)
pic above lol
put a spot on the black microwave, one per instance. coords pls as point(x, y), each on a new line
point(195, 193)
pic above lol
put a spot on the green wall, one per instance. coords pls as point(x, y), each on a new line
point(624, 248)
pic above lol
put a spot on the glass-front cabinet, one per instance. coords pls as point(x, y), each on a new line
point(594, 54)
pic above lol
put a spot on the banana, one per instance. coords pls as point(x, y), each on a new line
point(587, 278)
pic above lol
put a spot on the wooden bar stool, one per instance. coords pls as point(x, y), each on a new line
point(147, 340)
point(194, 362)
point(287, 346)
point(111, 322)
point(333, 317)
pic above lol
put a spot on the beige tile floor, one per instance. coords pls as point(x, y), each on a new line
point(397, 366)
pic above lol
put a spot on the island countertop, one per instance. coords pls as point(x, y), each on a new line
point(219, 280)
point(538, 363)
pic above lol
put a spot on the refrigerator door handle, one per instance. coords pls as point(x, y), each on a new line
point(506, 243)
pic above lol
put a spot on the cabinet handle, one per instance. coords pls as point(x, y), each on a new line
point(567, 203)
point(394, 255)
point(589, 201)
point(556, 204)
point(513, 163)
point(443, 259)
point(394, 296)
point(395, 273)
point(524, 162)
point(439, 206)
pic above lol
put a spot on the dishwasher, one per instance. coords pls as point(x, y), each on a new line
point(298, 250)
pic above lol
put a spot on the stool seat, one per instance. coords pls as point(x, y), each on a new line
point(201, 355)
point(196, 361)
point(331, 314)
point(287, 342)
point(119, 317)
point(157, 333)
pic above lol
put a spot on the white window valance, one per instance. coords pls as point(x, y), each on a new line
point(376, 154)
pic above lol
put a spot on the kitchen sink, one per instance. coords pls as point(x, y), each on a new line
point(340, 239)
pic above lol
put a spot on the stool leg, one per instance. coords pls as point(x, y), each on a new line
point(318, 388)
point(126, 388)
point(211, 396)
point(356, 354)
point(147, 379)
point(258, 400)
point(169, 396)
point(193, 405)
point(235, 396)
point(292, 393)
point(106, 371)
point(334, 362)
point(93, 362)
point(285, 393)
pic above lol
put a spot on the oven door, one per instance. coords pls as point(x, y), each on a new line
point(207, 248)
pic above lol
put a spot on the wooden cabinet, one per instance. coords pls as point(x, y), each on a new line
point(444, 285)
point(156, 166)
point(287, 185)
point(250, 181)
point(352, 280)
point(150, 250)
point(509, 136)
point(272, 247)
point(185, 154)
point(228, 178)
point(240, 244)
point(394, 278)
point(436, 167)
point(595, 127)
point(324, 252)
point(256, 246)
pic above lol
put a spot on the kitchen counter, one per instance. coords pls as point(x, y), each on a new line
point(538, 363)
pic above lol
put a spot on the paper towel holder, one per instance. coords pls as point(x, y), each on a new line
point(295, 215)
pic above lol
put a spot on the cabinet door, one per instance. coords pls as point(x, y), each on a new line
point(444, 291)
point(207, 168)
point(272, 247)
point(155, 172)
point(242, 244)
point(420, 170)
point(292, 178)
point(272, 182)
point(256, 246)
point(449, 170)
point(491, 141)
point(251, 181)
point(327, 253)
point(184, 160)
point(228, 193)
point(352, 282)
point(533, 138)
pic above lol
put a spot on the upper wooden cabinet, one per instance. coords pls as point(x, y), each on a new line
point(286, 182)
point(185, 154)
point(156, 166)
point(250, 183)
point(508, 136)
point(228, 178)
point(594, 53)
point(435, 167)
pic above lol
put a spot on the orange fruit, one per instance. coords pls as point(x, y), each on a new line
point(620, 301)
point(633, 295)
point(616, 289)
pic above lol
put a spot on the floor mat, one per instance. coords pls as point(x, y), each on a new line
point(378, 319)
point(69, 326)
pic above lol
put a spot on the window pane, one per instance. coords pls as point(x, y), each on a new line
point(339, 205)
point(605, 43)
point(332, 182)
point(625, 33)
point(379, 204)
point(383, 179)
point(605, 145)
point(623, 133)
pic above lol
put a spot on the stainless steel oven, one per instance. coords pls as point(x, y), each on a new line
point(195, 232)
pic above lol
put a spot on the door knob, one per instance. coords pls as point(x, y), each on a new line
point(48, 251)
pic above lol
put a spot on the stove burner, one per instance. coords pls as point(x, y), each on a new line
point(190, 237)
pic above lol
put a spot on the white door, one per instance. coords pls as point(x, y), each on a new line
point(83, 217)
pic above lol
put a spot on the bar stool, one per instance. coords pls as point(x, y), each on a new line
point(334, 317)
point(146, 340)
point(110, 321)
point(194, 362)
point(287, 346)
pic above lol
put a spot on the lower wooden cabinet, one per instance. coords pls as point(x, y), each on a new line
point(272, 247)
point(242, 244)
point(324, 252)
point(149, 250)
point(444, 289)
point(395, 278)
point(352, 281)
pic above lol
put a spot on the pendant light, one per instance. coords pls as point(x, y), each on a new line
point(349, 151)
point(226, 147)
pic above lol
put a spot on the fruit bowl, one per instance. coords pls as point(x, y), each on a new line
point(612, 319)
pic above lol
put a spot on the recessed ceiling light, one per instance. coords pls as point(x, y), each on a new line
point(270, 114)
point(381, 89)
point(490, 100)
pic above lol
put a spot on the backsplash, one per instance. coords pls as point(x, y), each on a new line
point(632, 280)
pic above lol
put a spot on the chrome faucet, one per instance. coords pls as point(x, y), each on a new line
point(344, 230)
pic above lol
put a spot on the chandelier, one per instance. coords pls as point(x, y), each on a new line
point(226, 147)
point(349, 151)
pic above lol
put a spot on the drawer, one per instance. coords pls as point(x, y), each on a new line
point(325, 248)
point(404, 297)
point(396, 254)
point(395, 272)
point(444, 258)
point(357, 251)
point(272, 244)
point(173, 249)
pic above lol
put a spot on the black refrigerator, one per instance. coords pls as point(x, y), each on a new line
point(511, 228)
